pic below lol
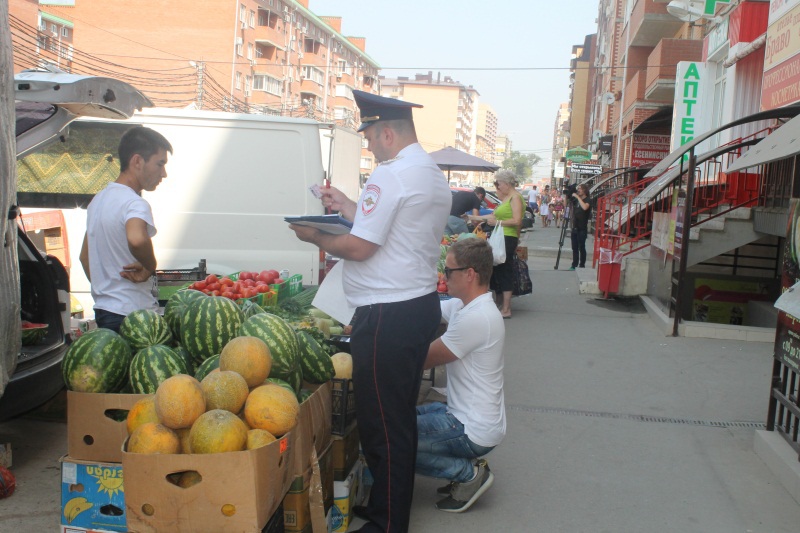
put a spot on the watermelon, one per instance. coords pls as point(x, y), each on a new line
point(304, 395)
point(280, 382)
point(188, 358)
point(97, 362)
point(208, 324)
point(152, 365)
point(207, 367)
point(145, 328)
point(280, 339)
point(250, 308)
point(315, 361)
point(295, 379)
point(175, 307)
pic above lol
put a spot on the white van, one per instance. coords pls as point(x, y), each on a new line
point(231, 180)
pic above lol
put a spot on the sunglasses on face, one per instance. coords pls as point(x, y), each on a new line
point(448, 270)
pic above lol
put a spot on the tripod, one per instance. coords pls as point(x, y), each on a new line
point(567, 222)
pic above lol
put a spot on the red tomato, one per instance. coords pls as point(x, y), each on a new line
point(274, 273)
point(243, 275)
point(214, 293)
point(249, 283)
point(216, 286)
point(262, 288)
point(226, 282)
point(264, 276)
point(199, 285)
point(211, 278)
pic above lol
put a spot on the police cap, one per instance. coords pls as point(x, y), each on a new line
point(374, 108)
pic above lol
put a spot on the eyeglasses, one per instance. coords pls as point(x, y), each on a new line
point(448, 270)
point(496, 183)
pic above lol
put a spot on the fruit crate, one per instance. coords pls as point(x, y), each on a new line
point(289, 288)
point(343, 405)
point(171, 281)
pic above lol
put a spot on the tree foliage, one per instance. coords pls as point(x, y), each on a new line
point(521, 164)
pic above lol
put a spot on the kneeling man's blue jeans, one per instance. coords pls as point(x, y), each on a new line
point(443, 450)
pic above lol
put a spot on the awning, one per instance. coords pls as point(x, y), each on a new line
point(659, 123)
point(780, 144)
point(663, 181)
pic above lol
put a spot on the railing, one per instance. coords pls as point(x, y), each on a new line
point(624, 226)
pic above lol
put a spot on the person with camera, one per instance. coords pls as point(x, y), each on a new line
point(581, 212)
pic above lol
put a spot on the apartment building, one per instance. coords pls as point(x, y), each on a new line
point(561, 137)
point(257, 56)
point(449, 115)
point(580, 97)
point(486, 132)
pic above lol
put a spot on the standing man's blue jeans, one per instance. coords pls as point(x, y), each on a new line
point(443, 450)
point(578, 247)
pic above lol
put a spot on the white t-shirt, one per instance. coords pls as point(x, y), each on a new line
point(106, 216)
point(476, 334)
point(404, 209)
point(533, 197)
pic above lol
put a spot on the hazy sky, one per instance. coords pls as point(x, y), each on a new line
point(528, 43)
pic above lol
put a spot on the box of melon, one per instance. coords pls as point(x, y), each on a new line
point(96, 425)
point(227, 491)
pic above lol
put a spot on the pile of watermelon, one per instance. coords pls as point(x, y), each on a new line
point(188, 340)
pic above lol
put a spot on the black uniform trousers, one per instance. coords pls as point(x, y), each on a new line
point(389, 344)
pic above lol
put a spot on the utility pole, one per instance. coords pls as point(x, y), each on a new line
point(199, 67)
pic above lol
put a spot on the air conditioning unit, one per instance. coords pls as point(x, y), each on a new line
point(239, 40)
point(247, 92)
point(321, 39)
point(253, 62)
point(338, 77)
point(304, 29)
point(300, 55)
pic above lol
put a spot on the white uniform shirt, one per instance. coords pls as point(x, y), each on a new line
point(404, 209)
point(106, 216)
point(476, 334)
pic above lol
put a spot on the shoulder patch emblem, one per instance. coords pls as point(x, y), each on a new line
point(371, 196)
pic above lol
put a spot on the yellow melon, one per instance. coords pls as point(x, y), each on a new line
point(189, 478)
point(153, 438)
point(179, 401)
point(273, 408)
point(142, 412)
point(225, 390)
point(218, 431)
point(249, 356)
point(256, 438)
point(342, 365)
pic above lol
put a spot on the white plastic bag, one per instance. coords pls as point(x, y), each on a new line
point(498, 243)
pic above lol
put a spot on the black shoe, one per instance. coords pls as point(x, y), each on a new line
point(361, 512)
point(465, 494)
point(446, 489)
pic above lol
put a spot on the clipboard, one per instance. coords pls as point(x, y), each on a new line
point(334, 224)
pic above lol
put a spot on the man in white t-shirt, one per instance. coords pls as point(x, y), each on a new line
point(117, 253)
point(452, 438)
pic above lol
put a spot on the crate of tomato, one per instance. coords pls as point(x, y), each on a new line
point(250, 285)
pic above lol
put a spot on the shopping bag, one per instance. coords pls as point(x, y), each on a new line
point(498, 243)
point(522, 278)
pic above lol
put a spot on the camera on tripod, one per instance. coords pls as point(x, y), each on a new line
point(569, 190)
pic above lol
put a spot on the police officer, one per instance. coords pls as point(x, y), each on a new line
point(390, 277)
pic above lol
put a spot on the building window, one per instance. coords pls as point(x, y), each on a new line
point(242, 13)
point(341, 67)
point(238, 81)
point(247, 85)
point(366, 162)
point(250, 51)
point(252, 19)
point(344, 91)
point(313, 74)
point(54, 29)
point(239, 48)
point(65, 32)
point(262, 82)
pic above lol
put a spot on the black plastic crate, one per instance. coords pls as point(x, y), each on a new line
point(343, 407)
point(181, 276)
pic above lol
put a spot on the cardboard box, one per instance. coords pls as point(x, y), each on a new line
point(92, 495)
point(345, 453)
point(72, 529)
point(239, 491)
point(92, 433)
point(522, 252)
point(344, 494)
point(297, 505)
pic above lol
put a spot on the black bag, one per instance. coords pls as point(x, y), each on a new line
point(522, 278)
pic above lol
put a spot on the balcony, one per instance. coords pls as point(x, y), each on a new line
point(634, 91)
point(662, 63)
point(650, 22)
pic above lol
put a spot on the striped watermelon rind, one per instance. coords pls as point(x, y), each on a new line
point(280, 339)
point(208, 324)
point(143, 328)
point(207, 367)
point(152, 365)
point(250, 308)
point(187, 358)
point(97, 362)
point(315, 361)
point(175, 307)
